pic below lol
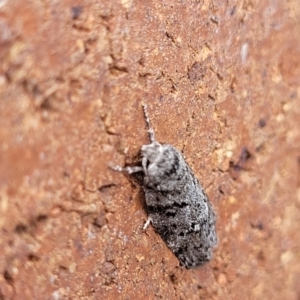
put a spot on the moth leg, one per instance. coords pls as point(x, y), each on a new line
point(128, 170)
point(144, 165)
point(149, 220)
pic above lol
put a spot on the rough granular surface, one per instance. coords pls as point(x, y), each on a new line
point(221, 81)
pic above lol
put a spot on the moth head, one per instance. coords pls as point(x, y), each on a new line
point(152, 151)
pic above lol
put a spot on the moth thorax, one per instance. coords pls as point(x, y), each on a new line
point(152, 151)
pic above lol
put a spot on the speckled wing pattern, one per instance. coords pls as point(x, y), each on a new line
point(179, 208)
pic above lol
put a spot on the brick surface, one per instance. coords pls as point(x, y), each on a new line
point(221, 80)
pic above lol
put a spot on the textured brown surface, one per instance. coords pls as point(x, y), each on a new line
point(221, 79)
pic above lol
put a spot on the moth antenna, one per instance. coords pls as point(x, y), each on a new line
point(150, 129)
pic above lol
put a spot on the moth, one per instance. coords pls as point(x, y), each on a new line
point(178, 208)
